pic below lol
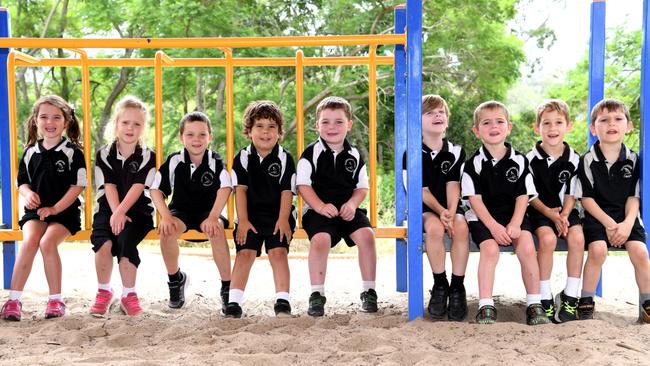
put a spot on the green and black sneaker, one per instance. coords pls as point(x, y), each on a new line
point(549, 309)
point(535, 315)
point(567, 308)
point(487, 314)
point(369, 301)
point(316, 304)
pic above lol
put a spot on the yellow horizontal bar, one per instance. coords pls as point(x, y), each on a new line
point(30, 60)
point(380, 232)
point(207, 62)
point(234, 42)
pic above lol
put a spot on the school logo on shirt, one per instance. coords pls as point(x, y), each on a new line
point(444, 166)
point(60, 166)
point(626, 171)
point(512, 174)
point(350, 164)
point(564, 176)
point(133, 167)
point(274, 170)
point(207, 178)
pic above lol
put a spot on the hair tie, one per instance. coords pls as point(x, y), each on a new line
point(72, 111)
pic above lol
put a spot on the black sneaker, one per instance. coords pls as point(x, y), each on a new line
point(316, 304)
point(232, 310)
point(645, 312)
point(536, 315)
point(586, 308)
point(438, 303)
point(457, 309)
point(369, 301)
point(225, 291)
point(567, 308)
point(282, 308)
point(549, 309)
point(177, 291)
point(487, 314)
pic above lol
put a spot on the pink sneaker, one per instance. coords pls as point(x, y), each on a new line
point(54, 309)
point(131, 304)
point(102, 303)
point(11, 310)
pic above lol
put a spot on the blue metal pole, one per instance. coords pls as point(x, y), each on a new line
point(400, 148)
point(645, 116)
point(596, 74)
point(8, 247)
point(414, 157)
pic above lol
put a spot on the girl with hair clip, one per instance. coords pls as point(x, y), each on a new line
point(51, 175)
point(124, 171)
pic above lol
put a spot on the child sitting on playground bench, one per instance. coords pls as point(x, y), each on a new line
point(264, 177)
point(496, 182)
point(333, 180)
point(608, 187)
point(201, 186)
point(441, 168)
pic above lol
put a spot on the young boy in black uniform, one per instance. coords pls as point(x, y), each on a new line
point(264, 177)
point(498, 186)
point(553, 165)
point(201, 186)
point(608, 186)
point(333, 180)
point(441, 167)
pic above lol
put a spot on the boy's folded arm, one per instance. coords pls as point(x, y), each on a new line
point(430, 200)
point(594, 210)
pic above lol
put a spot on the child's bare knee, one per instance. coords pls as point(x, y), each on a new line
point(248, 255)
point(597, 253)
point(321, 241)
point(547, 242)
point(489, 250)
point(277, 254)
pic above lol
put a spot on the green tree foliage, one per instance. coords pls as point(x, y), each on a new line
point(470, 55)
point(622, 82)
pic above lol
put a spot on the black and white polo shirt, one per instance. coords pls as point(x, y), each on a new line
point(553, 178)
point(439, 168)
point(609, 183)
point(334, 177)
point(265, 179)
point(50, 173)
point(113, 168)
point(194, 187)
point(498, 182)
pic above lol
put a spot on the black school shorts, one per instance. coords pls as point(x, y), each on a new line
point(125, 244)
point(538, 220)
point(594, 231)
point(265, 237)
point(193, 221)
point(315, 223)
point(481, 233)
point(70, 218)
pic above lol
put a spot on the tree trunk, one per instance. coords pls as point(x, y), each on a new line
point(115, 92)
point(200, 99)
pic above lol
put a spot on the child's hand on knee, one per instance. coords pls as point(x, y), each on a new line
point(118, 221)
point(242, 231)
point(347, 211)
point(328, 210)
point(168, 225)
point(211, 226)
point(283, 227)
point(500, 234)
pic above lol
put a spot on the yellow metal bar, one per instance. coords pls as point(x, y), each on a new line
point(208, 62)
point(30, 60)
point(233, 42)
point(85, 105)
point(13, 136)
point(158, 110)
point(300, 119)
point(230, 125)
point(372, 125)
point(380, 232)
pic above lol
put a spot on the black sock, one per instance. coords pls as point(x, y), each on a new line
point(457, 281)
point(225, 284)
point(440, 279)
point(176, 277)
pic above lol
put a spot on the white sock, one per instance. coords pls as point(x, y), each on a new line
point(282, 295)
point(56, 297)
point(104, 286)
point(533, 299)
point(15, 295)
point(545, 289)
point(127, 290)
point(319, 288)
point(367, 285)
point(235, 295)
point(484, 302)
point(572, 287)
